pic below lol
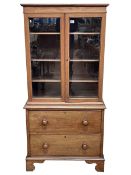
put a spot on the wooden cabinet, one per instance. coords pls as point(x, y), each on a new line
point(65, 57)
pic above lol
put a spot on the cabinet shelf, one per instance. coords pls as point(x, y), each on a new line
point(44, 33)
point(84, 33)
point(45, 80)
point(84, 60)
point(83, 81)
point(46, 60)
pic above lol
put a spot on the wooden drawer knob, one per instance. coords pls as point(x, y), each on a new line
point(45, 146)
point(44, 122)
point(84, 146)
point(85, 122)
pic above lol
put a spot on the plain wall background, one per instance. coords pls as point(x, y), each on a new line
point(116, 93)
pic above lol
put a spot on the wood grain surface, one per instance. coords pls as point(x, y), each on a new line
point(65, 122)
point(66, 145)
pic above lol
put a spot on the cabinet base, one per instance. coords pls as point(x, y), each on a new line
point(30, 164)
point(98, 160)
point(99, 164)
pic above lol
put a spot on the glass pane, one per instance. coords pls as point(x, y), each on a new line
point(91, 24)
point(46, 89)
point(83, 90)
point(45, 70)
point(84, 46)
point(45, 57)
point(84, 70)
point(45, 46)
point(44, 24)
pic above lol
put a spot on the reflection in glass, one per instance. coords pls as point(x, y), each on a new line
point(84, 70)
point(45, 46)
point(91, 24)
point(84, 46)
point(83, 90)
point(45, 70)
point(45, 89)
point(44, 24)
point(84, 54)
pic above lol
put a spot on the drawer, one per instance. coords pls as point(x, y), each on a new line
point(65, 145)
point(65, 122)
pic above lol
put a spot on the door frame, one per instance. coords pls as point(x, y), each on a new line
point(28, 56)
point(101, 62)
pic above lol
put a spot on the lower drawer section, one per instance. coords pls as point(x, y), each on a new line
point(65, 122)
point(65, 145)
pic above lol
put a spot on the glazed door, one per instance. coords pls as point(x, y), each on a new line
point(45, 59)
point(84, 53)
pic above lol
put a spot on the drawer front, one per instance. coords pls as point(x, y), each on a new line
point(65, 122)
point(65, 145)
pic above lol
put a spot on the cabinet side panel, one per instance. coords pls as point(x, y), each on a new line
point(102, 132)
point(102, 47)
point(28, 62)
point(27, 132)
